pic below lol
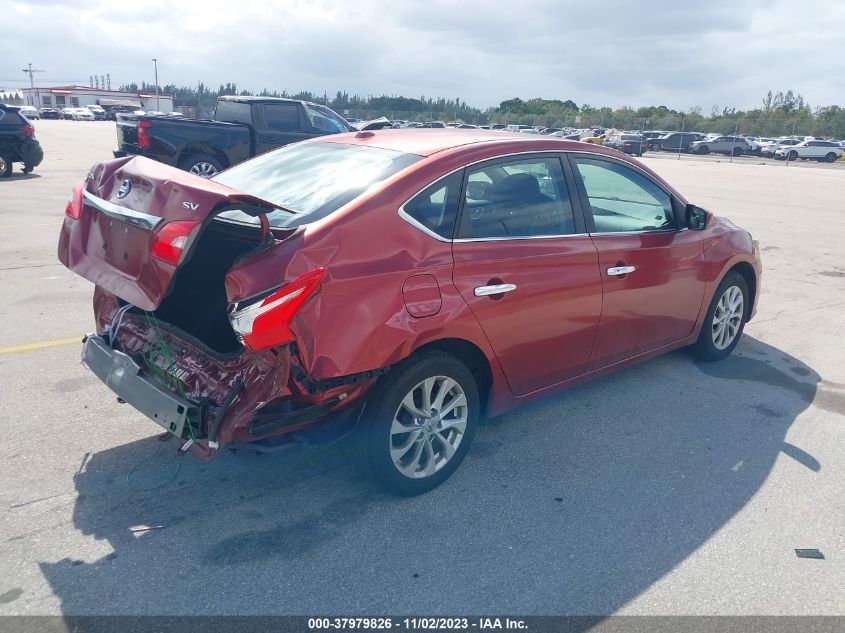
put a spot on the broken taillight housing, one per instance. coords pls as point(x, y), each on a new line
point(171, 242)
point(265, 321)
point(74, 206)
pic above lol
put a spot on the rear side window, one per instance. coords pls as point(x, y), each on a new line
point(282, 117)
point(622, 200)
point(525, 197)
point(11, 117)
point(233, 112)
point(436, 207)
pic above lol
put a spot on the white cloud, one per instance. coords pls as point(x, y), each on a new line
point(603, 53)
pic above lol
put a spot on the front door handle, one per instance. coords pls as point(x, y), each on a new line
point(497, 289)
point(620, 270)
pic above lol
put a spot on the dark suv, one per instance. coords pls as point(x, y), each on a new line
point(674, 141)
point(17, 142)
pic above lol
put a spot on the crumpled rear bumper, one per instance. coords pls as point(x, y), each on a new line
point(122, 375)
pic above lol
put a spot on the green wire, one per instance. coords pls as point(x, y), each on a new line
point(164, 374)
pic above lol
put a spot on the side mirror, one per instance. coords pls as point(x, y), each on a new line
point(696, 217)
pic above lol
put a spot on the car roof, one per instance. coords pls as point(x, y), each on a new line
point(428, 141)
point(255, 99)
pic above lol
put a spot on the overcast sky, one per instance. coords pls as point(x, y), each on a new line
point(602, 52)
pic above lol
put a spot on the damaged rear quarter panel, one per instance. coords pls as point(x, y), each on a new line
point(358, 320)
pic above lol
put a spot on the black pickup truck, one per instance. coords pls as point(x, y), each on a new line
point(17, 142)
point(241, 128)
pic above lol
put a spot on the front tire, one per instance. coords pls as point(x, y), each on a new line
point(793, 155)
point(656, 147)
point(725, 319)
point(703, 150)
point(418, 423)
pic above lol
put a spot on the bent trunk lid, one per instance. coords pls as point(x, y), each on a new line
point(126, 203)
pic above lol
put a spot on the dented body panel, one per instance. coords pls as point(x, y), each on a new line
point(388, 289)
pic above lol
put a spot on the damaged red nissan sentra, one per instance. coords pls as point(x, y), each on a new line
point(400, 284)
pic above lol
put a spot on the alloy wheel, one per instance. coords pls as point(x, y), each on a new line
point(204, 169)
point(727, 319)
point(428, 427)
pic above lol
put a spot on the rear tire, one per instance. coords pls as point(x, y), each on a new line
point(435, 397)
point(5, 165)
point(725, 319)
point(201, 165)
point(831, 156)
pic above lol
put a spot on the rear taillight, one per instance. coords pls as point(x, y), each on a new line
point(74, 206)
point(28, 130)
point(626, 145)
point(266, 322)
point(172, 240)
point(143, 137)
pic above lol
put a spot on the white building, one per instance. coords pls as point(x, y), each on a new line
point(80, 96)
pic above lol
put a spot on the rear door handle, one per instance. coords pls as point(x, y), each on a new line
point(486, 291)
point(620, 270)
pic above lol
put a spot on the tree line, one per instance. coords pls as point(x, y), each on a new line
point(779, 113)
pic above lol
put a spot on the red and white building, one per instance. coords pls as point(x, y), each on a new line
point(81, 96)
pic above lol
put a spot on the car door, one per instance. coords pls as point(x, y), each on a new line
point(526, 267)
point(651, 267)
point(815, 149)
point(278, 124)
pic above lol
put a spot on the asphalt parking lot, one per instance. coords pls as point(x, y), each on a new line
point(670, 488)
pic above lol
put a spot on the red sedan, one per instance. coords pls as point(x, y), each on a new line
point(399, 283)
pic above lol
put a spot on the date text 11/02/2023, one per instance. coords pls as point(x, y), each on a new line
point(412, 624)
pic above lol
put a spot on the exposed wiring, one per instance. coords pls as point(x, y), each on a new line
point(158, 486)
point(166, 374)
point(117, 321)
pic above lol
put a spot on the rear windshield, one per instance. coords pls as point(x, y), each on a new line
point(631, 137)
point(312, 179)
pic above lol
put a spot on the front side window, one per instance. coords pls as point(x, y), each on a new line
point(622, 200)
point(436, 207)
point(526, 197)
point(311, 180)
point(324, 120)
point(282, 117)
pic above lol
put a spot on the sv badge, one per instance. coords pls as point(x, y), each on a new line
point(191, 206)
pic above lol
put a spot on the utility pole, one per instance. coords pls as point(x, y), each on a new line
point(29, 70)
point(155, 65)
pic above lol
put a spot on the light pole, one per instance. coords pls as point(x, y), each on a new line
point(155, 65)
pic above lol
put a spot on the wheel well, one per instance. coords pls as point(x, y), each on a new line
point(471, 356)
point(745, 269)
point(192, 151)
